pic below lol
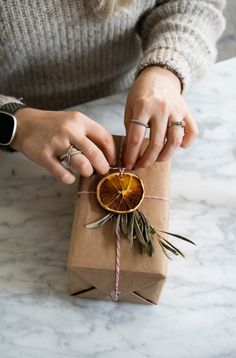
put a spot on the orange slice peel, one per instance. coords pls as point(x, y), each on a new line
point(120, 192)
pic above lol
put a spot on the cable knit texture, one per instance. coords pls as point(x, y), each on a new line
point(58, 53)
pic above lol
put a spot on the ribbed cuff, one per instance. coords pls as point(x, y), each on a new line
point(170, 60)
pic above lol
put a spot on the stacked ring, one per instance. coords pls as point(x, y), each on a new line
point(136, 121)
point(176, 123)
point(67, 156)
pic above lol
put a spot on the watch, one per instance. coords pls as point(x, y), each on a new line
point(8, 124)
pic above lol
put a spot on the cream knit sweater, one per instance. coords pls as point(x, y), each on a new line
point(57, 53)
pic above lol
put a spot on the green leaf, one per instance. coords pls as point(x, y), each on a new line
point(148, 230)
point(138, 231)
point(144, 227)
point(179, 236)
point(163, 240)
point(151, 229)
point(149, 248)
point(141, 247)
point(140, 221)
point(99, 222)
point(124, 227)
point(131, 228)
point(167, 247)
point(164, 250)
point(147, 233)
point(174, 247)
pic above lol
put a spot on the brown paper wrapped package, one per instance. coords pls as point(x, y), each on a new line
point(92, 254)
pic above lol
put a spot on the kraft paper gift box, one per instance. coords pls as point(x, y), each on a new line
point(92, 253)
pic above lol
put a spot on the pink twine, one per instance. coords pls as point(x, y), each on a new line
point(116, 293)
point(157, 197)
point(86, 192)
point(145, 196)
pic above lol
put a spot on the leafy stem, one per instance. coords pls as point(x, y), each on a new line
point(135, 226)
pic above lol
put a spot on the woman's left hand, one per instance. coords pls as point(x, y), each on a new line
point(155, 99)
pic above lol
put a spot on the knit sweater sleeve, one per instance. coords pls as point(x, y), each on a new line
point(181, 36)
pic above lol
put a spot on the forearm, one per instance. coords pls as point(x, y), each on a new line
point(181, 36)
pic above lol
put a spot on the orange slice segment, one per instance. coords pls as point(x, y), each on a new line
point(120, 192)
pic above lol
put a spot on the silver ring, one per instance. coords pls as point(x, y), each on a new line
point(136, 121)
point(176, 123)
point(67, 156)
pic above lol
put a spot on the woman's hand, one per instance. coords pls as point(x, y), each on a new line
point(155, 99)
point(43, 136)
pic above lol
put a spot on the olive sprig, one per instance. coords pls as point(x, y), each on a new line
point(135, 226)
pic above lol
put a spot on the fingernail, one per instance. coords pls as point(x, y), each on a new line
point(68, 179)
point(129, 166)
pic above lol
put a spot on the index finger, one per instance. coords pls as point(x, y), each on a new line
point(136, 134)
point(156, 143)
point(92, 152)
point(103, 139)
point(190, 131)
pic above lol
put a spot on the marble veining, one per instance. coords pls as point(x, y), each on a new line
point(197, 313)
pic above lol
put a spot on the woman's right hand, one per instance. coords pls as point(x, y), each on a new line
point(43, 136)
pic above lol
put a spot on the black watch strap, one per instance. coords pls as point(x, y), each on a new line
point(11, 108)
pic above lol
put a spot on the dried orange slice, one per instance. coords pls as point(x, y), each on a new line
point(120, 192)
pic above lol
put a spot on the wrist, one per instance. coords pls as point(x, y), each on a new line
point(21, 117)
point(8, 125)
point(167, 76)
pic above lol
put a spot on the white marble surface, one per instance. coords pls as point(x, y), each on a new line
point(197, 313)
